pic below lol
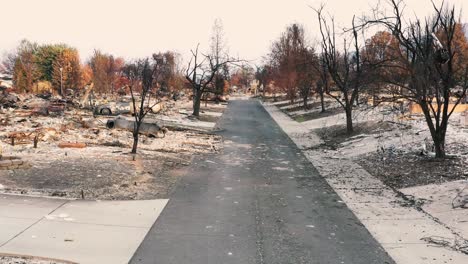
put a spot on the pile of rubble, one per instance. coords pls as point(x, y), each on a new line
point(52, 146)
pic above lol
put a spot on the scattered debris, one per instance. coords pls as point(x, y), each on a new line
point(454, 244)
point(73, 154)
point(12, 163)
point(115, 108)
point(72, 145)
point(56, 107)
point(15, 259)
point(461, 199)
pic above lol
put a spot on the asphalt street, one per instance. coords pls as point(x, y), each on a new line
point(258, 201)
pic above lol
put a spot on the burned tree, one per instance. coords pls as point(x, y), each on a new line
point(323, 83)
point(25, 70)
point(344, 68)
point(201, 72)
point(219, 51)
point(428, 66)
point(263, 77)
point(200, 77)
point(307, 74)
point(143, 76)
point(167, 70)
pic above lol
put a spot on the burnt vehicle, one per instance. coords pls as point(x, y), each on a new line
point(113, 108)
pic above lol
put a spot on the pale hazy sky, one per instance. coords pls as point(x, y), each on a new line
point(138, 28)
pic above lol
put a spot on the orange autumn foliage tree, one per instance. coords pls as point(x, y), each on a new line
point(66, 72)
point(106, 71)
point(285, 57)
point(459, 47)
point(87, 74)
point(382, 60)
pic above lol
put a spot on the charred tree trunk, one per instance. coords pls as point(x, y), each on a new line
point(356, 99)
point(264, 91)
point(374, 95)
point(322, 100)
point(135, 137)
point(305, 99)
point(437, 132)
point(291, 96)
point(197, 95)
point(135, 144)
point(439, 144)
point(349, 118)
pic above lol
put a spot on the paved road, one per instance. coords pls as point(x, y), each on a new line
point(260, 201)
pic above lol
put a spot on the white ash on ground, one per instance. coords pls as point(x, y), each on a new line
point(428, 221)
point(29, 260)
point(99, 164)
point(394, 146)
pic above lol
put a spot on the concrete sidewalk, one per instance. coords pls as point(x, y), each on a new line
point(75, 230)
point(400, 230)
